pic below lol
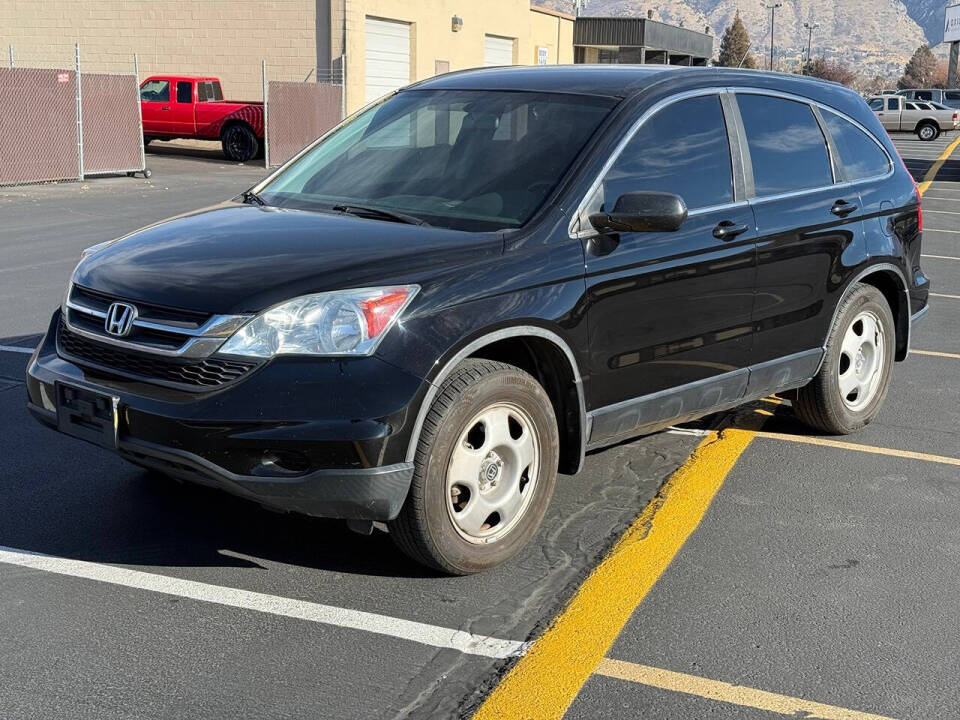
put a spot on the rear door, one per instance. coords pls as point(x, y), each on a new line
point(671, 309)
point(182, 118)
point(807, 218)
point(155, 106)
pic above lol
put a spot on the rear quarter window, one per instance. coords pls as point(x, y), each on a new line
point(860, 156)
point(787, 148)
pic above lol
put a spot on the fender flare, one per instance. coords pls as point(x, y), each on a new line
point(514, 331)
point(870, 270)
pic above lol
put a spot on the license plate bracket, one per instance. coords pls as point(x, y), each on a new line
point(88, 415)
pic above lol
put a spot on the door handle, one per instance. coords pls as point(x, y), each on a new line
point(164, 107)
point(842, 208)
point(728, 230)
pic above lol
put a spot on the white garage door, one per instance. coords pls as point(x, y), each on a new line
point(387, 57)
point(497, 50)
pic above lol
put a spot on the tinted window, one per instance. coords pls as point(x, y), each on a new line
point(682, 149)
point(155, 91)
point(893, 103)
point(215, 92)
point(952, 95)
point(787, 148)
point(876, 104)
point(184, 92)
point(923, 95)
point(911, 106)
point(860, 156)
point(202, 91)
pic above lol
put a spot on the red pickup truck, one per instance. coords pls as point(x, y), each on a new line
point(187, 106)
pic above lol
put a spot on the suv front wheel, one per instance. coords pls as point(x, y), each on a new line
point(485, 470)
point(853, 380)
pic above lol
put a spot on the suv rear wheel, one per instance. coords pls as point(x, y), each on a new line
point(853, 380)
point(485, 470)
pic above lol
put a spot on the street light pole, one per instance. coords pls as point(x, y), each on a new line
point(772, 7)
point(810, 28)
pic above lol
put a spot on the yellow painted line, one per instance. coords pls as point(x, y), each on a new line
point(934, 353)
point(949, 297)
point(546, 680)
point(728, 693)
point(935, 168)
point(840, 445)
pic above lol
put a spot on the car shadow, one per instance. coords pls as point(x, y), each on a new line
point(211, 154)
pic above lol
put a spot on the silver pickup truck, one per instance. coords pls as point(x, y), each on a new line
point(901, 115)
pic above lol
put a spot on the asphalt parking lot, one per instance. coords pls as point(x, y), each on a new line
point(777, 573)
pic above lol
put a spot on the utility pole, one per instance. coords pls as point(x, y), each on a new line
point(772, 7)
point(810, 28)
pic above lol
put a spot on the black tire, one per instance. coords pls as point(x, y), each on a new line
point(147, 140)
point(928, 131)
point(239, 143)
point(821, 404)
point(425, 528)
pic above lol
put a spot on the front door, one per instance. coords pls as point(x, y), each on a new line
point(155, 106)
point(669, 313)
point(182, 109)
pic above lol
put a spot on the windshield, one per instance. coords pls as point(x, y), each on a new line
point(467, 160)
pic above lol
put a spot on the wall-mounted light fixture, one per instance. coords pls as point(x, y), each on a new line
point(456, 23)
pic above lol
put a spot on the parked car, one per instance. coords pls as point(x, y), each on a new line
point(950, 98)
point(457, 292)
point(184, 106)
point(900, 115)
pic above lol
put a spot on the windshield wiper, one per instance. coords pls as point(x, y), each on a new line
point(251, 198)
point(377, 213)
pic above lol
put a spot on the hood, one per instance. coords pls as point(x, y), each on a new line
point(235, 258)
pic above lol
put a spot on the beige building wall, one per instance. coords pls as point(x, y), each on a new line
point(226, 38)
point(432, 38)
point(551, 30)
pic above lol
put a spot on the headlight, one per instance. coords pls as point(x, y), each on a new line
point(346, 322)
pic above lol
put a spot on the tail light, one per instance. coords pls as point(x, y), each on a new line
point(916, 188)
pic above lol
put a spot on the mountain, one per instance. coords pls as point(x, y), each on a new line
point(876, 37)
point(929, 15)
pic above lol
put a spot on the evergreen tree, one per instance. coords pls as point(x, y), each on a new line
point(735, 46)
point(920, 71)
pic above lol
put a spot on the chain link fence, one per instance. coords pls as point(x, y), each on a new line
point(58, 123)
point(298, 111)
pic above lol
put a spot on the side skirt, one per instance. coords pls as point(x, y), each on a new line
point(650, 413)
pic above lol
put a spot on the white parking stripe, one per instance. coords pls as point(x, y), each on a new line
point(14, 348)
point(432, 635)
point(949, 297)
point(941, 257)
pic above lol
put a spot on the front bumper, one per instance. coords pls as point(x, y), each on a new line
point(322, 437)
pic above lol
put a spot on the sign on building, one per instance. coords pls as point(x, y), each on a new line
point(951, 29)
point(543, 53)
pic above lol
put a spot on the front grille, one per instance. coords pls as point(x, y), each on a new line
point(192, 375)
point(155, 329)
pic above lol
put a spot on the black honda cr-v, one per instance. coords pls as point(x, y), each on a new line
point(426, 315)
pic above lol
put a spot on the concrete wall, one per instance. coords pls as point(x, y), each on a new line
point(227, 38)
point(432, 39)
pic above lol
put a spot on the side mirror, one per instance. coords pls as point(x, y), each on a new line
point(642, 212)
